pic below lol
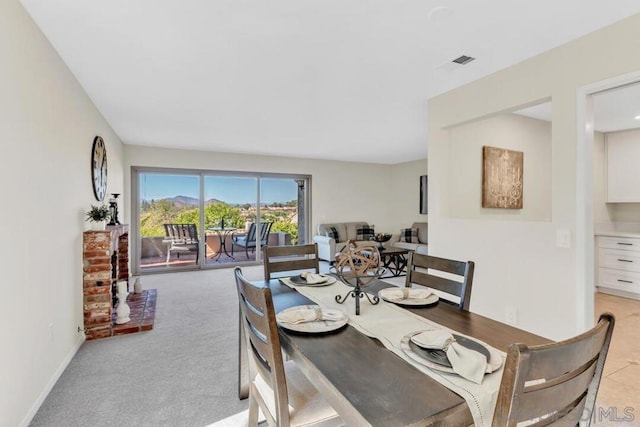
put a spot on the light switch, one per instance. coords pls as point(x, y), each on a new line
point(563, 238)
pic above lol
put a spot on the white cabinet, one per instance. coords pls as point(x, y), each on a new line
point(623, 166)
point(619, 264)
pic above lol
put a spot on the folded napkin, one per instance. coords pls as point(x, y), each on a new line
point(400, 294)
point(312, 278)
point(465, 362)
point(312, 313)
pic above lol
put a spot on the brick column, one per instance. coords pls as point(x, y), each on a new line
point(100, 274)
point(97, 284)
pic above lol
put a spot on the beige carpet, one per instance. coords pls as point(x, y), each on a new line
point(183, 373)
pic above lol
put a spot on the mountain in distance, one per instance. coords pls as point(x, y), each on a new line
point(182, 201)
point(187, 201)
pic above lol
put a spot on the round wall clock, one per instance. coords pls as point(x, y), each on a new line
point(99, 168)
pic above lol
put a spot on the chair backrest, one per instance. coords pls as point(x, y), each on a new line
point(251, 233)
point(554, 383)
point(263, 344)
point(265, 228)
point(290, 258)
point(420, 268)
point(182, 233)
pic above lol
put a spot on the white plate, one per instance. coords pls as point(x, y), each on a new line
point(495, 361)
point(316, 327)
point(405, 345)
point(411, 302)
point(299, 281)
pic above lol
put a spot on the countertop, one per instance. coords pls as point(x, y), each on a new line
point(618, 234)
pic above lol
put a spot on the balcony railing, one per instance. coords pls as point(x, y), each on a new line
point(154, 251)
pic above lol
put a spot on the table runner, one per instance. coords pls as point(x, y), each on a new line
point(389, 324)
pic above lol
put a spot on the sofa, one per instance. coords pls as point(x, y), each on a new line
point(420, 245)
point(331, 238)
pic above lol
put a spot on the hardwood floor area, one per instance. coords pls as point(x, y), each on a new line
point(620, 386)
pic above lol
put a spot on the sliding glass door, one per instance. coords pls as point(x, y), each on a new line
point(279, 209)
point(199, 219)
point(230, 210)
point(168, 220)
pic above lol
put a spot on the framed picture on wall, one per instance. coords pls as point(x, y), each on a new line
point(502, 177)
point(423, 194)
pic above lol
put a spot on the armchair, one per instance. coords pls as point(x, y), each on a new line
point(248, 240)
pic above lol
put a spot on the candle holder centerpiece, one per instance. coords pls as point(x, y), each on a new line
point(357, 266)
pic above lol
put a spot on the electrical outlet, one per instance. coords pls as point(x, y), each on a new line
point(50, 332)
point(511, 315)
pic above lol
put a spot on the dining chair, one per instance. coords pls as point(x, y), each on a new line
point(278, 259)
point(278, 389)
point(554, 383)
point(421, 269)
point(249, 239)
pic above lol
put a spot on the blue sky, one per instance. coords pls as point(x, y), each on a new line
point(224, 188)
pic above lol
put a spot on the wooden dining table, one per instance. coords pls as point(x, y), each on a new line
point(369, 385)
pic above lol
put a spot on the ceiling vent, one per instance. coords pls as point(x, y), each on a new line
point(452, 65)
point(463, 59)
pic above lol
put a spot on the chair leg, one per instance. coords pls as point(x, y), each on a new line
point(168, 255)
point(244, 383)
point(253, 408)
point(246, 251)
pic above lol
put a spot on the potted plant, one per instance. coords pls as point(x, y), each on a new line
point(97, 217)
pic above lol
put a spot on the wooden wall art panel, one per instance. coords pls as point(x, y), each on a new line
point(502, 172)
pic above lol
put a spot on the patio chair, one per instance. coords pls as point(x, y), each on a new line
point(421, 269)
point(554, 384)
point(181, 238)
point(248, 240)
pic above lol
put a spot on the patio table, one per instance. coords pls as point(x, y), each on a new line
point(222, 233)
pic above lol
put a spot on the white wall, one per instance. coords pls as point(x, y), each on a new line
point(404, 195)
point(341, 191)
point(509, 131)
point(517, 262)
point(625, 212)
point(47, 128)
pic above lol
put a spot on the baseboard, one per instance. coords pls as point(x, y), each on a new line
point(52, 382)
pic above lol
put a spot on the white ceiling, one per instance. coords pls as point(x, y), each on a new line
point(330, 79)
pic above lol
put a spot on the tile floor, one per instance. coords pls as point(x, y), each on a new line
point(620, 386)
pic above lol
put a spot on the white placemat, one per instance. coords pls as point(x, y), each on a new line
point(390, 323)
